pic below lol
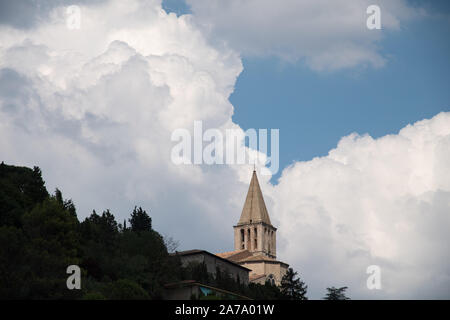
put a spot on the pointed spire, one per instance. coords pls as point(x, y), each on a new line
point(254, 207)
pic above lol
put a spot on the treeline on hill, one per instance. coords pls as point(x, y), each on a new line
point(40, 236)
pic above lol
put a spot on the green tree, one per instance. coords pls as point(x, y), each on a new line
point(100, 242)
point(67, 204)
point(140, 220)
point(21, 189)
point(293, 288)
point(143, 258)
point(125, 289)
point(53, 243)
point(336, 294)
point(12, 263)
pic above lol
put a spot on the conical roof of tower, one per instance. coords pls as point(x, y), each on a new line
point(254, 207)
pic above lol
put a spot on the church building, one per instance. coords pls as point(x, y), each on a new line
point(255, 240)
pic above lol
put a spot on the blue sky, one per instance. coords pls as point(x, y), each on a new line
point(313, 110)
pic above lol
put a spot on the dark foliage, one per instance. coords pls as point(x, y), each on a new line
point(21, 189)
point(140, 220)
point(292, 288)
point(336, 294)
point(40, 237)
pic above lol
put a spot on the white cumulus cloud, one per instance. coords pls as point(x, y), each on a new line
point(327, 35)
point(95, 108)
point(382, 202)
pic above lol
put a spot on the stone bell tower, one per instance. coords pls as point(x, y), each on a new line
point(254, 231)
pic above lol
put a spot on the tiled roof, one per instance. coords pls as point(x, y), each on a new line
point(256, 277)
point(258, 257)
point(235, 256)
point(197, 251)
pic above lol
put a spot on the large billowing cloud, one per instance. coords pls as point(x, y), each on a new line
point(327, 35)
point(95, 109)
point(382, 202)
